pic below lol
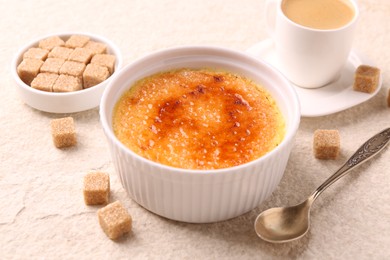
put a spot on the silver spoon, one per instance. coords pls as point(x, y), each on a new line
point(283, 224)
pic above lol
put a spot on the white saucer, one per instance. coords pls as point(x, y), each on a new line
point(332, 98)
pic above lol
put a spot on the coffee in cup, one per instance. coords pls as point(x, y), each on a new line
point(319, 14)
point(312, 38)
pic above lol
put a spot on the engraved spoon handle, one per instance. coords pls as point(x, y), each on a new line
point(365, 152)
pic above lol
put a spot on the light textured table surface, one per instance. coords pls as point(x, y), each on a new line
point(42, 213)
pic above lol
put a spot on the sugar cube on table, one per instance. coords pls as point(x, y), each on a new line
point(63, 132)
point(114, 220)
point(96, 188)
point(326, 144)
point(388, 99)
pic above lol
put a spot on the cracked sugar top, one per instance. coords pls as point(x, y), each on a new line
point(198, 119)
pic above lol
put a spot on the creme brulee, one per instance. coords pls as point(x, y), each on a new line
point(198, 119)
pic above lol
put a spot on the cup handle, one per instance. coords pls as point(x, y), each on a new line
point(270, 16)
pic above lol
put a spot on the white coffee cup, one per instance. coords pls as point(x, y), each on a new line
point(309, 57)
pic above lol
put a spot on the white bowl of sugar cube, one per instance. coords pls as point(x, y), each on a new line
point(65, 72)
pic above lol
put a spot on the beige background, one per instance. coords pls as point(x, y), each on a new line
point(42, 214)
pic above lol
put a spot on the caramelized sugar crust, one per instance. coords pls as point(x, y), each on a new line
point(198, 119)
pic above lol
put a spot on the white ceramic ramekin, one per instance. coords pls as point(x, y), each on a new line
point(63, 102)
point(200, 196)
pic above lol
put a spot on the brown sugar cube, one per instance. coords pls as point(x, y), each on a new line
point(36, 53)
point(52, 65)
point(28, 69)
point(73, 68)
point(366, 79)
point(44, 81)
point(388, 99)
point(51, 42)
point(96, 47)
point(106, 60)
point(96, 188)
point(60, 52)
point(114, 220)
point(76, 41)
point(63, 132)
point(326, 144)
point(94, 74)
point(81, 55)
point(66, 83)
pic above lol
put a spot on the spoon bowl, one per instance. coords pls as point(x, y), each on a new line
point(283, 224)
